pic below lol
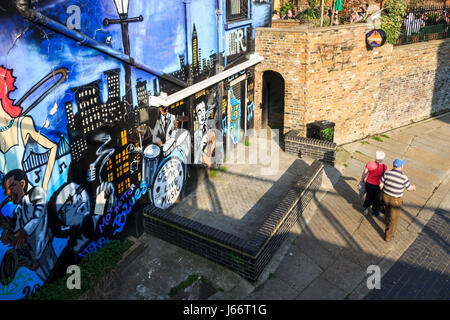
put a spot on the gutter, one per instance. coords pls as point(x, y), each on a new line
point(23, 7)
point(164, 100)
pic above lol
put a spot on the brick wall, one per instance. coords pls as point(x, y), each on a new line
point(324, 151)
point(277, 23)
point(330, 75)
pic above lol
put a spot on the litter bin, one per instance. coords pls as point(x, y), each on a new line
point(321, 130)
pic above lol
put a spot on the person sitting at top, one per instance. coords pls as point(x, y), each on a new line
point(353, 15)
point(289, 15)
point(361, 13)
point(275, 15)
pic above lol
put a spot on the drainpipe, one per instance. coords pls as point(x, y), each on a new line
point(24, 8)
point(219, 62)
point(190, 80)
point(188, 31)
point(220, 35)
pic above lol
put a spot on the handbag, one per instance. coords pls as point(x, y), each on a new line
point(362, 189)
point(382, 205)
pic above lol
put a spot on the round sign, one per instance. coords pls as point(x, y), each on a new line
point(168, 183)
point(376, 38)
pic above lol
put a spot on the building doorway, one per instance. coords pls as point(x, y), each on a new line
point(273, 101)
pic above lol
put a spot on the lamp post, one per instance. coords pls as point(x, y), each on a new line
point(122, 10)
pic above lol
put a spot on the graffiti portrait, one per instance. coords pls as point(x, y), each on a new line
point(205, 135)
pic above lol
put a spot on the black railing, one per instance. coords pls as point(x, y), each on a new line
point(237, 10)
point(424, 24)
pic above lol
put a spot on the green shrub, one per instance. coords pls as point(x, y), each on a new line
point(285, 7)
point(391, 20)
point(93, 268)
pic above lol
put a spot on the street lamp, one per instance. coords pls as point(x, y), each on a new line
point(122, 10)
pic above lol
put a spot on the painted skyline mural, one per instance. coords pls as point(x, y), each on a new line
point(73, 168)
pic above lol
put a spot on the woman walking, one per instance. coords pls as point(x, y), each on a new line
point(372, 174)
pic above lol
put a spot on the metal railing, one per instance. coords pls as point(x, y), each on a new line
point(424, 24)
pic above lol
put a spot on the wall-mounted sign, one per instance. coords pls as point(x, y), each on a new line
point(376, 38)
point(236, 44)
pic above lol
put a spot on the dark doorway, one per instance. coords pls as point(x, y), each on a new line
point(273, 101)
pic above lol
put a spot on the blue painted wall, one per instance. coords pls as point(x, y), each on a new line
point(76, 146)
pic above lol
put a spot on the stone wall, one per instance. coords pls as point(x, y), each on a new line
point(331, 75)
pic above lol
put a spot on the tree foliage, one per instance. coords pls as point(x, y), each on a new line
point(391, 20)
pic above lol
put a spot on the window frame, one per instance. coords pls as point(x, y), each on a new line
point(244, 4)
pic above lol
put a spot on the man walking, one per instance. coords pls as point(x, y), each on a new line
point(393, 184)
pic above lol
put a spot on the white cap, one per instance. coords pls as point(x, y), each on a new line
point(379, 155)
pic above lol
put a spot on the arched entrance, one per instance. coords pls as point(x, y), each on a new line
point(273, 101)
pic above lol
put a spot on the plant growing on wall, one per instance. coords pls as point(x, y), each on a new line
point(285, 7)
point(311, 13)
point(391, 20)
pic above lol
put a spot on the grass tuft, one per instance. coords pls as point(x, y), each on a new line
point(212, 173)
point(377, 138)
point(183, 285)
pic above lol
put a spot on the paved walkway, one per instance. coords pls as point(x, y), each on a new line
point(331, 247)
point(423, 271)
point(328, 258)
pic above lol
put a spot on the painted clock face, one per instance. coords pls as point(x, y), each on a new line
point(168, 183)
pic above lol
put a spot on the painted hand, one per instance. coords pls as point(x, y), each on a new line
point(5, 237)
point(20, 239)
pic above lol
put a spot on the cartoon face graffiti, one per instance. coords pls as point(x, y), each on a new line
point(200, 114)
point(72, 205)
point(15, 186)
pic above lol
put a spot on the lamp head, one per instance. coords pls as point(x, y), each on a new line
point(121, 6)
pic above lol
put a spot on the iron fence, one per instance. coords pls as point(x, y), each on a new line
point(424, 24)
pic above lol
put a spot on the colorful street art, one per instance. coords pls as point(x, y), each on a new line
point(81, 147)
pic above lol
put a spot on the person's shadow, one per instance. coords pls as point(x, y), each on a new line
point(343, 188)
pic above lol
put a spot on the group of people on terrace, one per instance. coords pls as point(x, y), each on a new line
point(413, 23)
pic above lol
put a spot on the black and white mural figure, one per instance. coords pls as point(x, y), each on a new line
point(72, 215)
point(165, 159)
point(27, 232)
point(204, 135)
point(164, 126)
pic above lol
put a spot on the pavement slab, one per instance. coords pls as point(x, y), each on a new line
point(321, 289)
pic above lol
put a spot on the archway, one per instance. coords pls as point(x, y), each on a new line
point(273, 101)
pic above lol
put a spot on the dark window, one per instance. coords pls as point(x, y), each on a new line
point(237, 10)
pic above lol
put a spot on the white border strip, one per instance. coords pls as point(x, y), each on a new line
point(166, 101)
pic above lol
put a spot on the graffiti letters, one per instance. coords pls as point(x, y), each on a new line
point(94, 246)
point(126, 202)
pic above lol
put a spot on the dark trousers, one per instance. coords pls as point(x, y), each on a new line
point(373, 197)
point(393, 208)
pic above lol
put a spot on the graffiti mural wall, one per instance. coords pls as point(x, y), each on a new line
point(82, 148)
